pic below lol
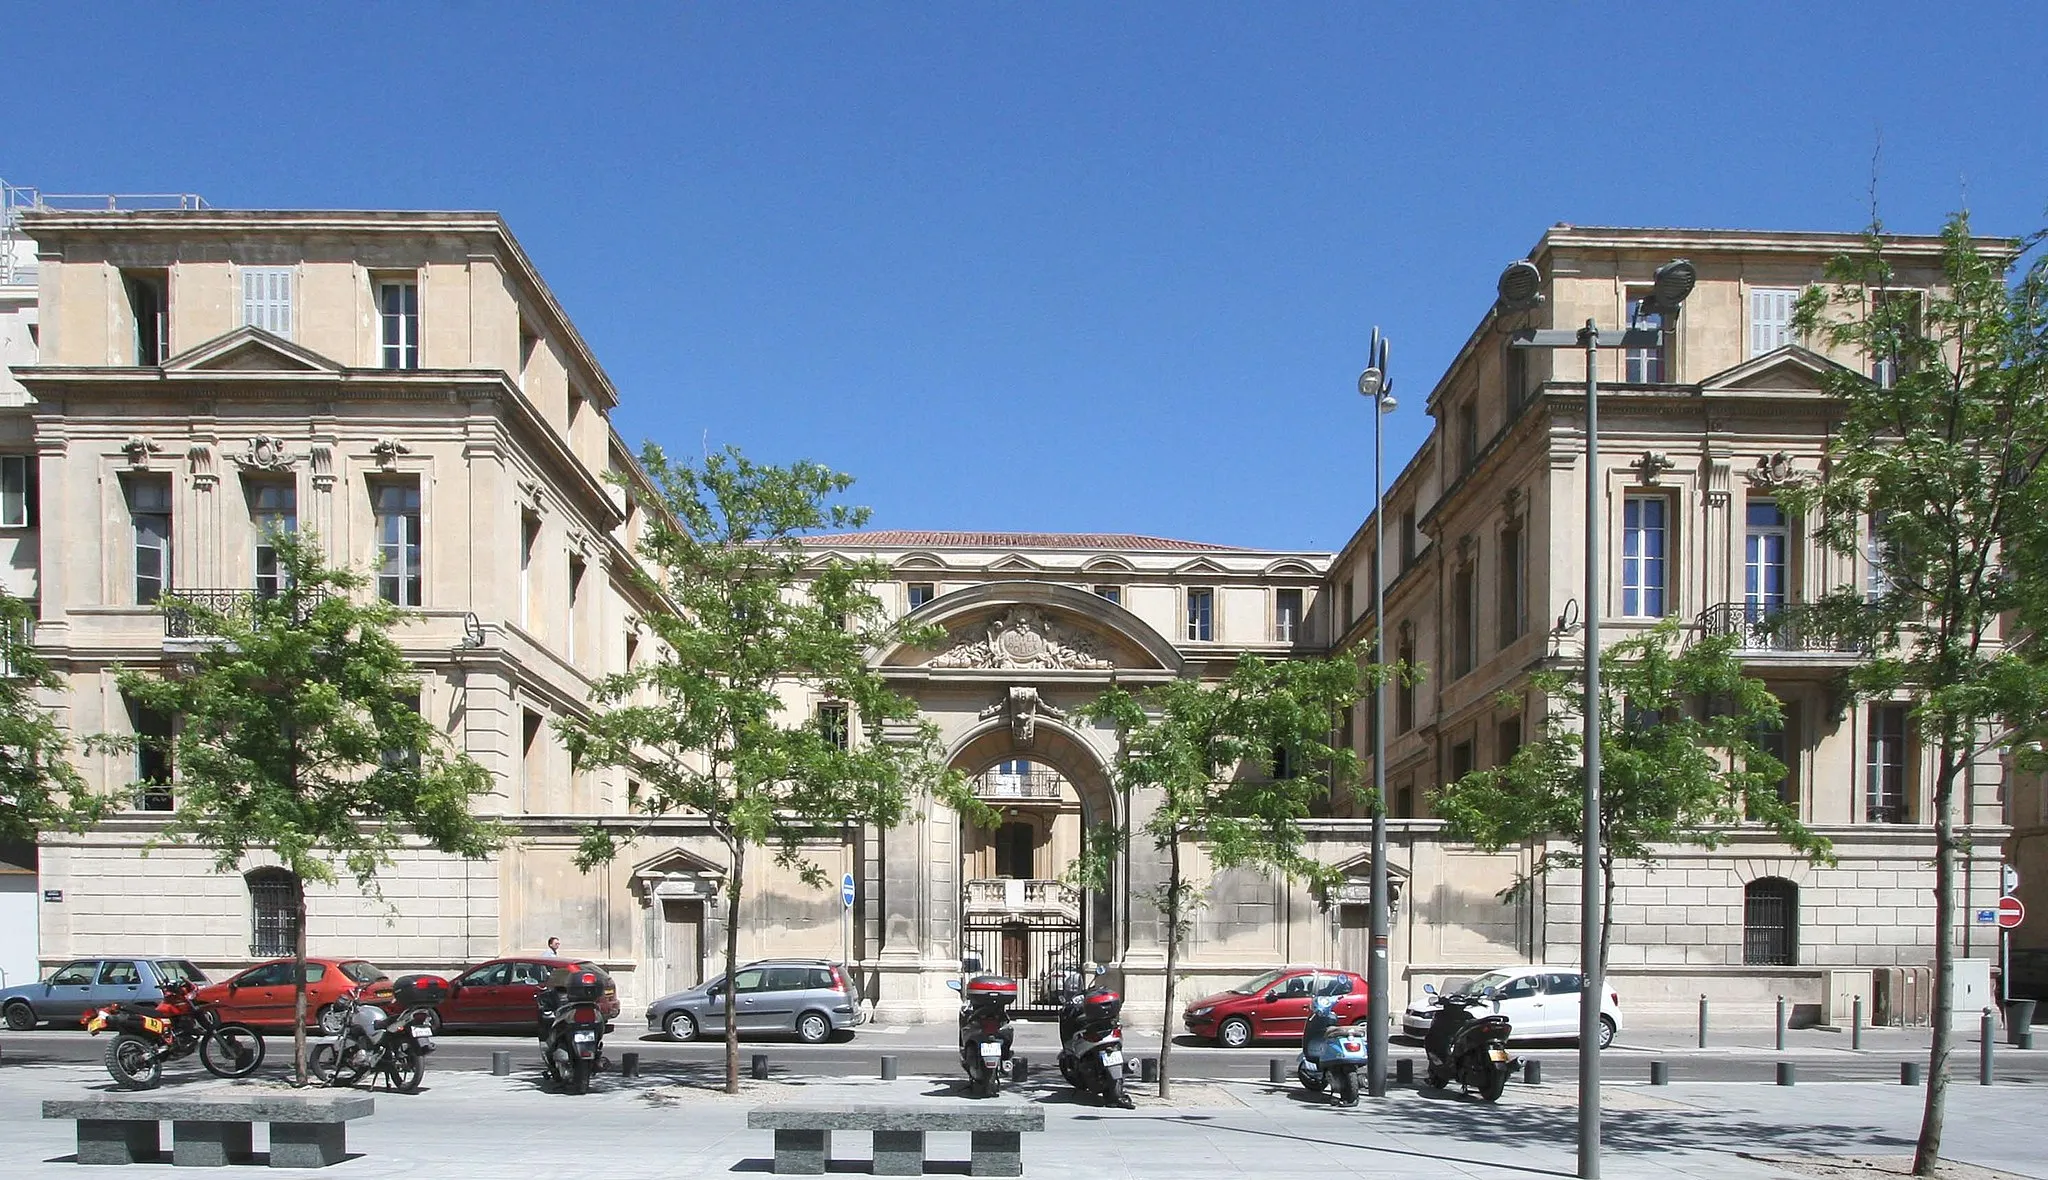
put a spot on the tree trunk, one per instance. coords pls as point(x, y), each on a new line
point(299, 983)
point(732, 962)
point(1927, 1154)
point(1172, 962)
point(1606, 914)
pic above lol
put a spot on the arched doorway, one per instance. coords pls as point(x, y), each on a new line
point(1020, 913)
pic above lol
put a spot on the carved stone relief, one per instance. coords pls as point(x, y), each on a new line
point(1652, 466)
point(1023, 707)
point(387, 451)
point(266, 453)
point(139, 450)
point(1022, 638)
point(1777, 471)
point(204, 477)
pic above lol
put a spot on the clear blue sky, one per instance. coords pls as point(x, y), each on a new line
point(1044, 266)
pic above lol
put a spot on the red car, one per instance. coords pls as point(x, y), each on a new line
point(501, 993)
point(1273, 1005)
point(262, 995)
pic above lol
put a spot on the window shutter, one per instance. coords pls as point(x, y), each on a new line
point(267, 299)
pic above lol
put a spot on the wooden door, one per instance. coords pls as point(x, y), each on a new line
point(682, 960)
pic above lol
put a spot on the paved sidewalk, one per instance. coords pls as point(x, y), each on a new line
point(470, 1125)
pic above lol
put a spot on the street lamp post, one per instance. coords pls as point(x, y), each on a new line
point(1375, 384)
point(1521, 290)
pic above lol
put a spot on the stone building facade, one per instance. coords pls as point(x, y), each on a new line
point(405, 385)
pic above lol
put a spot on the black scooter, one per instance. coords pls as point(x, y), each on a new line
point(1471, 1051)
point(572, 1028)
point(1092, 1044)
point(985, 1032)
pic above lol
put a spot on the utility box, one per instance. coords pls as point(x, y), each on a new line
point(1973, 993)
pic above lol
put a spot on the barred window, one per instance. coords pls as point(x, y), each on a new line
point(274, 913)
point(1770, 923)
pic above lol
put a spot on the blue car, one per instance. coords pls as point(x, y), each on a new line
point(83, 984)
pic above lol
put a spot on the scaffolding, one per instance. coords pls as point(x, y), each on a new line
point(18, 263)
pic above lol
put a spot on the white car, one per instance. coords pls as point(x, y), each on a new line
point(1541, 1002)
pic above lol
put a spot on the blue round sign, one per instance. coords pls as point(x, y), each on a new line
point(846, 890)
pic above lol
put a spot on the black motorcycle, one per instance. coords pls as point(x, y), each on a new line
point(572, 1028)
point(1469, 1050)
point(373, 1043)
point(985, 1032)
point(1092, 1045)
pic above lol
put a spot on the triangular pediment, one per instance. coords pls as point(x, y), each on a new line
point(1790, 369)
point(1200, 565)
point(250, 350)
point(678, 874)
point(1016, 562)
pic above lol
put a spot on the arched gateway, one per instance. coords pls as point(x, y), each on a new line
point(1006, 688)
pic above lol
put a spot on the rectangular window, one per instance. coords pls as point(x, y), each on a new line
point(1461, 760)
point(273, 512)
point(1514, 590)
point(149, 510)
point(531, 752)
point(1112, 593)
point(1779, 743)
point(1515, 376)
point(1877, 579)
point(832, 724)
point(576, 571)
point(1468, 436)
point(1643, 546)
point(404, 757)
point(1407, 539)
point(267, 299)
point(1201, 615)
point(1404, 690)
point(529, 585)
point(1770, 318)
point(17, 491)
point(398, 316)
point(1286, 616)
point(153, 732)
point(1644, 366)
point(397, 508)
point(1464, 621)
point(1507, 740)
point(1765, 570)
point(146, 306)
point(1898, 317)
point(1349, 599)
point(920, 593)
point(1885, 766)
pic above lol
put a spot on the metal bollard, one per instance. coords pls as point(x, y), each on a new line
point(1276, 1070)
point(1148, 1070)
point(501, 1062)
point(1781, 1024)
point(1785, 1073)
point(1020, 1069)
point(1532, 1072)
point(1856, 1024)
point(760, 1069)
point(1988, 1032)
point(1660, 1073)
point(629, 1065)
point(1909, 1073)
point(1703, 1020)
point(888, 1068)
point(1404, 1071)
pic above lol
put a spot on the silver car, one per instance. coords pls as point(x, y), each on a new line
point(84, 984)
point(813, 998)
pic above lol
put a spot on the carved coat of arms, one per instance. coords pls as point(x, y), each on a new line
point(1022, 638)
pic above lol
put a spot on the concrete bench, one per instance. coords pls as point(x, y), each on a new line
point(211, 1129)
point(803, 1134)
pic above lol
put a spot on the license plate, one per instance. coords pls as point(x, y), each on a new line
point(1114, 1059)
point(990, 1051)
point(424, 1038)
point(586, 1036)
point(1497, 1054)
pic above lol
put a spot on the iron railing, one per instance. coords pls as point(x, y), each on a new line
point(1017, 894)
point(186, 612)
point(1755, 630)
point(1037, 784)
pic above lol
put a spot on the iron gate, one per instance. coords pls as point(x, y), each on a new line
point(1042, 951)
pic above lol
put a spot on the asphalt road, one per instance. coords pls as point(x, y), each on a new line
point(860, 1056)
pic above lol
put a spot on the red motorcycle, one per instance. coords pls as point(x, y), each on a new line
point(149, 1035)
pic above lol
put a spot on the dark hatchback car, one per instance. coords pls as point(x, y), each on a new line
point(84, 984)
point(503, 993)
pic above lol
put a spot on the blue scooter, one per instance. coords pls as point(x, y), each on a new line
point(1331, 1054)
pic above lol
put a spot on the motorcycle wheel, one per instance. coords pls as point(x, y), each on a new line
point(323, 1062)
point(134, 1063)
point(231, 1051)
point(1492, 1084)
point(1115, 1094)
point(1347, 1088)
point(406, 1070)
point(576, 1079)
point(1436, 1079)
point(1309, 1082)
point(1067, 1071)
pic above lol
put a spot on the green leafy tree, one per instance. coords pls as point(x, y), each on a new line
point(1680, 763)
point(300, 740)
point(39, 787)
point(1232, 767)
point(1935, 477)
point(703, 722)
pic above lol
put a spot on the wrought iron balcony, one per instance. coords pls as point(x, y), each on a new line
point(186, 611)
point(1756, 631)
point(1019, 895)
point(1037, 784)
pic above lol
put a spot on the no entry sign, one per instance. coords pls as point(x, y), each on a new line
point(2010, 912)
